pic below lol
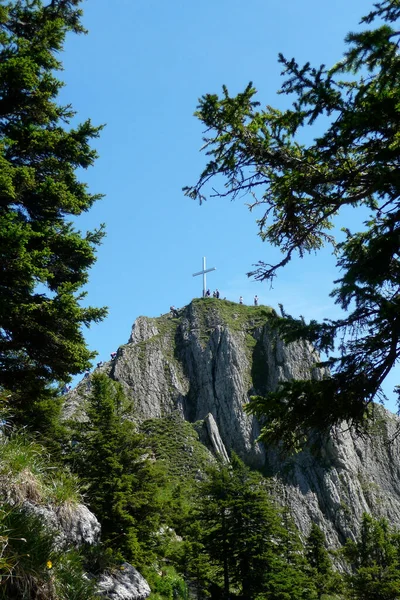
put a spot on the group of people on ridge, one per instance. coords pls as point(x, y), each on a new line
point(174, 311)
point(86, 375)
point(215, 294)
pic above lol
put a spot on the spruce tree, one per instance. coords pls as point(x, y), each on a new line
point(241, 531)
point(44, 259)
point(375, 561)
point(325, 579)
point(111, 458)
point(300, 188)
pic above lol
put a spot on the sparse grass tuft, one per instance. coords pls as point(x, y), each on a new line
point(64, 488)
point(238, 317)
point(18, 454)
point(26, 549)
point(71, 583)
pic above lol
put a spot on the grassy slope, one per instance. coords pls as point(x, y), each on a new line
point(176, 443)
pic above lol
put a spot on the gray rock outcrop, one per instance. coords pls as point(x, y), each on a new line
point(209, 361)
point(215, 439)
point(123, 584)
point(73, 524)
point(350, 475)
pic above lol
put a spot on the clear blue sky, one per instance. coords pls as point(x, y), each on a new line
point(140, 71)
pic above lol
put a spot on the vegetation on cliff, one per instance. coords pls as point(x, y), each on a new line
point(33, 563)
point(241, 534)
point(122, 484)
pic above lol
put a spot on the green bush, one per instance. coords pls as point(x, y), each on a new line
point(167, 586)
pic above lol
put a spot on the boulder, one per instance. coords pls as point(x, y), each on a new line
point(123, 584)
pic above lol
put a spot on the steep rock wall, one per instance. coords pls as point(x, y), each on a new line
point(209, 360)
point(348, 476)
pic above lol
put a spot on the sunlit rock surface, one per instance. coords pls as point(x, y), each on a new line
point(125, 583)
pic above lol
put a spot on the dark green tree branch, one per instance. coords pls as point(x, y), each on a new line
point(300, 188)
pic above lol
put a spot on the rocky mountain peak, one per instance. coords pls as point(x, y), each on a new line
point(209, 360)
point(204, 363)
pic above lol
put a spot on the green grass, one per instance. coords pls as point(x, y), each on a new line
point(26, 473)
point(26, 548)
point(70, 582)
point(176, 443)
point(30, 564)
point(239, 317)
point(210, 311)
point(64, 488)
point(18, 454)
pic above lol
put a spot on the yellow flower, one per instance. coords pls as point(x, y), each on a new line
point(49, 564)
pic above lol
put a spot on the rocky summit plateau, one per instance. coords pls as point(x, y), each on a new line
point(202, 366)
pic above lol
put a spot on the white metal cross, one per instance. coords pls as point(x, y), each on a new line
point(203, 272)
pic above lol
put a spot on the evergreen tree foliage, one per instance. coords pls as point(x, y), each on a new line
point(300, 188)
point(325, 579)
point(194, 562)
point(42, 417)
point(123, 484)
point(44, 259)
point(375, 561)
point(241, 532)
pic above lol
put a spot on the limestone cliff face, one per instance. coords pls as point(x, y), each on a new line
point(206, 363)
point(209, 360)
point(349, 476)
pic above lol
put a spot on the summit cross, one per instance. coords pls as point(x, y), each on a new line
point(203, 272)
